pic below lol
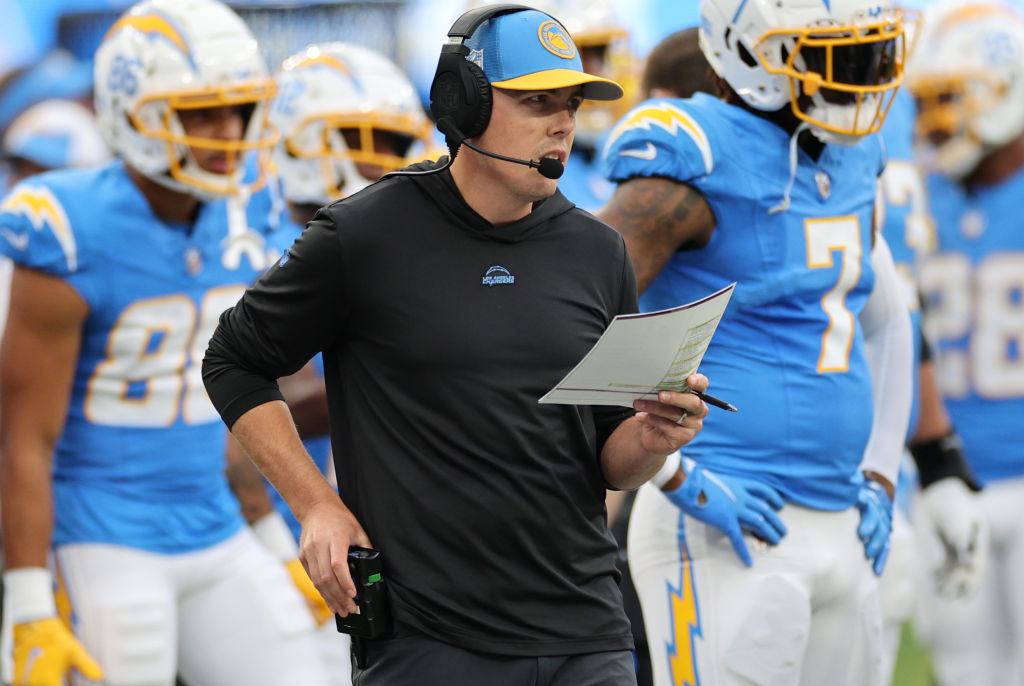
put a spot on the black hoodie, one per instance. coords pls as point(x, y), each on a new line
point(440, 332)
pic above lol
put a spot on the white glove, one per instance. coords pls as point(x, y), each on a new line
point(959, 523)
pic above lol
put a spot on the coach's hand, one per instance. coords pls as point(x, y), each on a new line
point(875, 505)
point(672, 421)
point(328, 529)
point(45, 651)
point(731, 504)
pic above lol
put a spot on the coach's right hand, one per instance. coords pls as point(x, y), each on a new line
point(731, 504)
point(44, 649)
point(328, 529)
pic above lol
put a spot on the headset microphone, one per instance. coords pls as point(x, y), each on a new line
point(548, 167)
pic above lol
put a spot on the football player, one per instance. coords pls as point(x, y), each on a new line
point(112, 455)
point(968, 81)
point(936, 489)
point(763, 550)
point(676, 68)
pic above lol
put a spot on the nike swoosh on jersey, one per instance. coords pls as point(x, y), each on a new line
point(19, 241)
point(648, 153)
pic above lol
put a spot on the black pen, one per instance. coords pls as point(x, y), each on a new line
point(712, 400)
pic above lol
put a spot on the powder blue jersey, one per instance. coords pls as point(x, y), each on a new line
point(141, 459)
point(974, 289)
point(789, 350)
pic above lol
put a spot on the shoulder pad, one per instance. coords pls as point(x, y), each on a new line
point(35, 230)
point(658, 138)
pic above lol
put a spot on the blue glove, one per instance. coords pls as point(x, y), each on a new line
point(875, 507)
point(730, 504)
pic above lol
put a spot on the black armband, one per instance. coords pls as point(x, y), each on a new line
point(940, 458)
point(925, 350)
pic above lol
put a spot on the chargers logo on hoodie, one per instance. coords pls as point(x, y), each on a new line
point(498, 276)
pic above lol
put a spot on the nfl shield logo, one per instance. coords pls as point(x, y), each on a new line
point(824, 184)
point(973, 224)
point(193, 261)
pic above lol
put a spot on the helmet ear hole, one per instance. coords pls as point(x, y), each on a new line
point(747, 58)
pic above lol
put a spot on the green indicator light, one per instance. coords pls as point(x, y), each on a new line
point(374, 578)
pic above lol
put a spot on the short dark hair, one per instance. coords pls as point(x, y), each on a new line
point(677, 65)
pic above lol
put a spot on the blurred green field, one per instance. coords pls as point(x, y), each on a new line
point(912, 665)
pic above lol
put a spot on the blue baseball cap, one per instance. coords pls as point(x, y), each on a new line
point(530, 50)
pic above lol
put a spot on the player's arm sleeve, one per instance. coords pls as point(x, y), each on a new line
point(292, 312)
point(889, 347)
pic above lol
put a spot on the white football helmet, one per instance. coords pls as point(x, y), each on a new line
point(968, 78)
point(333, 90)
point(836, 63)
point(56, 133)
point(163, 56)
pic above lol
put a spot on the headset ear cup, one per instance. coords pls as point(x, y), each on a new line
point(476, 118)
point(462, 93)
point(447, 94)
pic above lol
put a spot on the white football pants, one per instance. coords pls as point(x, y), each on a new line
point(807, 613)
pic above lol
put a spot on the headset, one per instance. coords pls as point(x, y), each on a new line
point(460, 92)
point(461, 99)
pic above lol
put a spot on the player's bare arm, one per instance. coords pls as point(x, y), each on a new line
point(657, 217)
point(37, 364)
